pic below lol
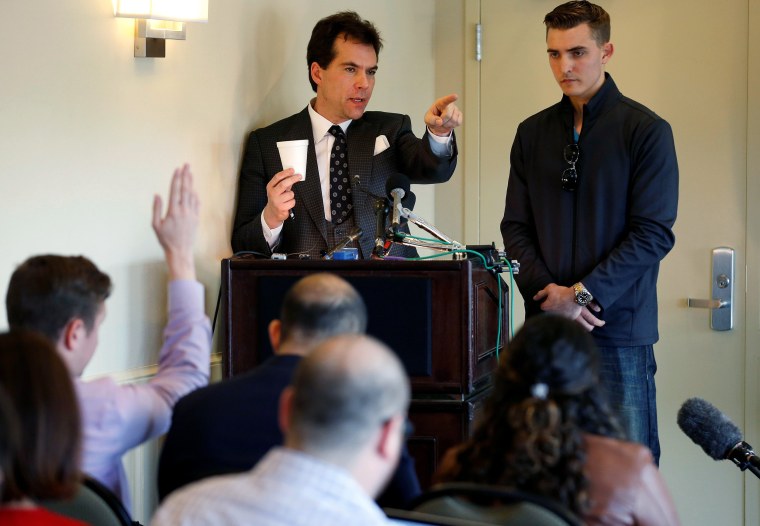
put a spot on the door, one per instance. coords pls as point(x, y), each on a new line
point(687, 61)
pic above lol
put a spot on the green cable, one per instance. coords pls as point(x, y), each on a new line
point(498, 280)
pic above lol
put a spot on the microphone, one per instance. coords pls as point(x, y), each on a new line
point(397, 186)
point(409, 200)
point(716, 434)
point(352, 236)
point(381, 211)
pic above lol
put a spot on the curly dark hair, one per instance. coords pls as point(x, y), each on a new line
point(546, 396)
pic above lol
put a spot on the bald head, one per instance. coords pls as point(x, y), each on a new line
point(320, 306)
point(343, 392)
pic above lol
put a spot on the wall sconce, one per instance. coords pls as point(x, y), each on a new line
point(158, 20)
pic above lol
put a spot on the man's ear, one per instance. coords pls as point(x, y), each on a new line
point(389, 440)
point(607, 50)
point(275, 334)
point(72, 334)
point(285, 409)
point(316, 73)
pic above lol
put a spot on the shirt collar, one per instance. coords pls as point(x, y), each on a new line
point(607, 95)
point(320, 125)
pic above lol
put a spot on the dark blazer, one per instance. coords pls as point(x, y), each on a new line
point(228, 426)
point(308, 231)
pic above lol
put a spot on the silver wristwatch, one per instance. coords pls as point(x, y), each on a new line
point(582, 296)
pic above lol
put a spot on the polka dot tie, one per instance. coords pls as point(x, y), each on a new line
point(340, 189)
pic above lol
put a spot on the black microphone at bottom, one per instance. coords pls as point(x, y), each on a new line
point(352, 236)
point(381, 212)
point(716, 434)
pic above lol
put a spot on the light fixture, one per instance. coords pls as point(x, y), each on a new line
point(158, 20)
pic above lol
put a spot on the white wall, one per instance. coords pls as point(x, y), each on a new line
point(88, 132)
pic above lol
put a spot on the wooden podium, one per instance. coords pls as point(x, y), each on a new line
point(441, 318)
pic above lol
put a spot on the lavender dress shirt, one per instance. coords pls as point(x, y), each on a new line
point(117, 418)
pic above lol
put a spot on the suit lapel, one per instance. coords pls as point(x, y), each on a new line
point(361, 147)
point(309, 192)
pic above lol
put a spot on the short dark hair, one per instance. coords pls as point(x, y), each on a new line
point(575, 13)
point(346, 24)
point(46, 292)
point(320, 306)
point(45, 463)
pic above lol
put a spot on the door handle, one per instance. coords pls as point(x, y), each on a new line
point(721, 305)
point(707, 304)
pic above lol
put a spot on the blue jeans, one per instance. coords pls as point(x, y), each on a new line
point(627, 373)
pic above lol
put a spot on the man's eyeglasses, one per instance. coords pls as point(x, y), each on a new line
point(570, 175)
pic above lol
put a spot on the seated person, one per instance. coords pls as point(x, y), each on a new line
point(39, 431)
point(227, 427)
point(63, 298)
point(343, 419)
point(547, 429)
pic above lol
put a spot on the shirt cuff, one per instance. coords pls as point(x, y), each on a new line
point(440, 146)
point(271, 235)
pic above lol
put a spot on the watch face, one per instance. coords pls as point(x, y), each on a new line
point(582, 297)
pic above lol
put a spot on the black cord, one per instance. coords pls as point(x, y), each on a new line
point(216, 310)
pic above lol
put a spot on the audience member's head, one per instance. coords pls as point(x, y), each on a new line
point(572, 14)
point(347, 405)
point(9, 437)
point(315, 308)
point(62, 298)
point(45, 462)
point(347, 25)
point(546, 395)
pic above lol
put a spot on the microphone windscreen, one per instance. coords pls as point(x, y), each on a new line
point(708, 427)
point(397, 180)
point(409, 200)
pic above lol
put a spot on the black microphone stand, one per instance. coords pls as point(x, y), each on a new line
point(381, 211)
point(381, 208)
point(745, 458)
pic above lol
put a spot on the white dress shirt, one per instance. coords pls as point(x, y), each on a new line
point(286, 488)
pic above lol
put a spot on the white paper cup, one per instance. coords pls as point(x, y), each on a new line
point(293, 155)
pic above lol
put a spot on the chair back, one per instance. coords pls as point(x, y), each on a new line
point(94, 504)
point(494, 505)
point(418, 518)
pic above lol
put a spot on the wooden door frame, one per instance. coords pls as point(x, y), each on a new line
point(752, 309)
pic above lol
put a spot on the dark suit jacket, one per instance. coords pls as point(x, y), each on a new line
point(307, 232)
point(227, 427)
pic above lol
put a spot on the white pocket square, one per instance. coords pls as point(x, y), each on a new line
point(381, 144)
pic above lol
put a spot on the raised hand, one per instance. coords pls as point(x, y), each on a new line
point(443, 116)
point(176, 231)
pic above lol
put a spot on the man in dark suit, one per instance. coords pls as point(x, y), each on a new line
point(351, 153)
point(227, 427)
